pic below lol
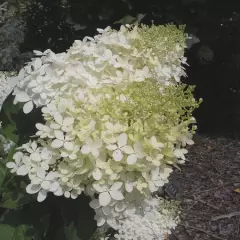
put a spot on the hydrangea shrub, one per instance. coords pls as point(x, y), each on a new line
point(117, 120)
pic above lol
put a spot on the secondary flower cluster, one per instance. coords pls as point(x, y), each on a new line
point(112, 57)
point(7, 83)
point(116, 121)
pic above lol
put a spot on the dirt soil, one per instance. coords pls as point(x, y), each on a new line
point(207, 187)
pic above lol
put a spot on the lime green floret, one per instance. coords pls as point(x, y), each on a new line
point(161, 39)
point(147, 109)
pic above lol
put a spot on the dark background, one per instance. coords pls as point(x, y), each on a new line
point(50, 25)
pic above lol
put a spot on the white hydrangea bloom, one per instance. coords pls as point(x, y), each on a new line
point(116, 121)
point(108, 58)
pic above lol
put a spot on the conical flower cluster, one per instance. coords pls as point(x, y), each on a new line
point(116, 121)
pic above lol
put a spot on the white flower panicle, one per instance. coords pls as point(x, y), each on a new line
point(112, 57)
point(116, 122)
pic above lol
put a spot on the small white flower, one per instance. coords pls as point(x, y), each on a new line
point(62, 140)
point(112, 131)
point(155, 144)
point(44, 131)
point(92, 146)
point(134, 153)
point(43, 183)
point(106, 194)
point(18, 162)
point(119, 148)
point(64, 124)
point(179, 153)
point(155, 179)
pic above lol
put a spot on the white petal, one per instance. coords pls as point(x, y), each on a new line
point(112, 222)
point(116, 186)
point(56, 143)
point(122, 140)
point(152, 187)
point(64, 154)
point(130, 209)
point(54, 187)
point(59, 134)
point(97, 174)
point(132, 159)
point(73, 156)
point(159, 183)
point(22, 97)
point(100, 221)
point(116, 195)
point(153, 141)
point(38, 53)
point(21, 74)
point(41, 173)
point(85, 149)
point(97, 143)
point(67, 194)
point(119, 207)
point(128, 149)
point(45, 185)
point(129, 187)
point(112, 147)
point(106, 211)
point(68, 146)
point(36, 180)
point(59, 192)
point(95, 152)
point(51, 176)
point(23, 170)
point(18, 157)
point(32, 188)
point(28, 107)
point(74, 194)
point(58, 118)
point(68, 121)
point(35, 156)
point(94, 204)
point(190, 142)
point(39, 126)
point(117, 155)
point(34, 146)
point(55, 126)
point(44, 165)
point(99, 188)
point(11, 165)
point(104, 198)
point(42, 195)
point(109, 126)
point(37, 63)
point(137, 147)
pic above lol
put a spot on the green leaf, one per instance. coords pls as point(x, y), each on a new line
point(71, 232)
point(11, 152)
point(9, 232)
point(126, 20)
point(79, 223)
point(14, 199)
point(14, 228)
point(2, 173)
point(130, 19)
point(13, 192)
point(31, 222)
point(9, 108)
point(9, 132)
